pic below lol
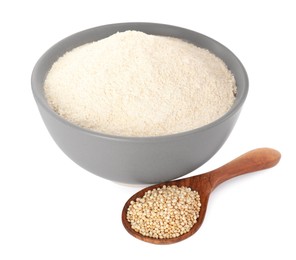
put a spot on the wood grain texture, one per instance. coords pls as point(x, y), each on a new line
point(255, 160)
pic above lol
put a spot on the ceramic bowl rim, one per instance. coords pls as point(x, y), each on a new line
point(41, 100)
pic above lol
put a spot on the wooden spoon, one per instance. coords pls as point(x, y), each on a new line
point(255, 160)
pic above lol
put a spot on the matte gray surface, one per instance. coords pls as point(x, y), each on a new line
point(138, 160)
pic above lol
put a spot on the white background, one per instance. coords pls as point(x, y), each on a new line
point(50, 208)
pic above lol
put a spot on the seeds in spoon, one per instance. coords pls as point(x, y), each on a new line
point(166, 212)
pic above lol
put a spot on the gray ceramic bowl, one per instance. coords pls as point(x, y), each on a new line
point(138, 160)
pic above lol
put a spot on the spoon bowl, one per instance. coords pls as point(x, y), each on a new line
point(204, 184)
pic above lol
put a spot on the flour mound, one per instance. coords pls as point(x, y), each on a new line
point(135, 84)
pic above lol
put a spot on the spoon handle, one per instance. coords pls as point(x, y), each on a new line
point(255, 160)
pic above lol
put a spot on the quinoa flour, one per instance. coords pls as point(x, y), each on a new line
point(135, 84)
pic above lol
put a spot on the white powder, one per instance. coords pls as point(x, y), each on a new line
point(134, 84)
